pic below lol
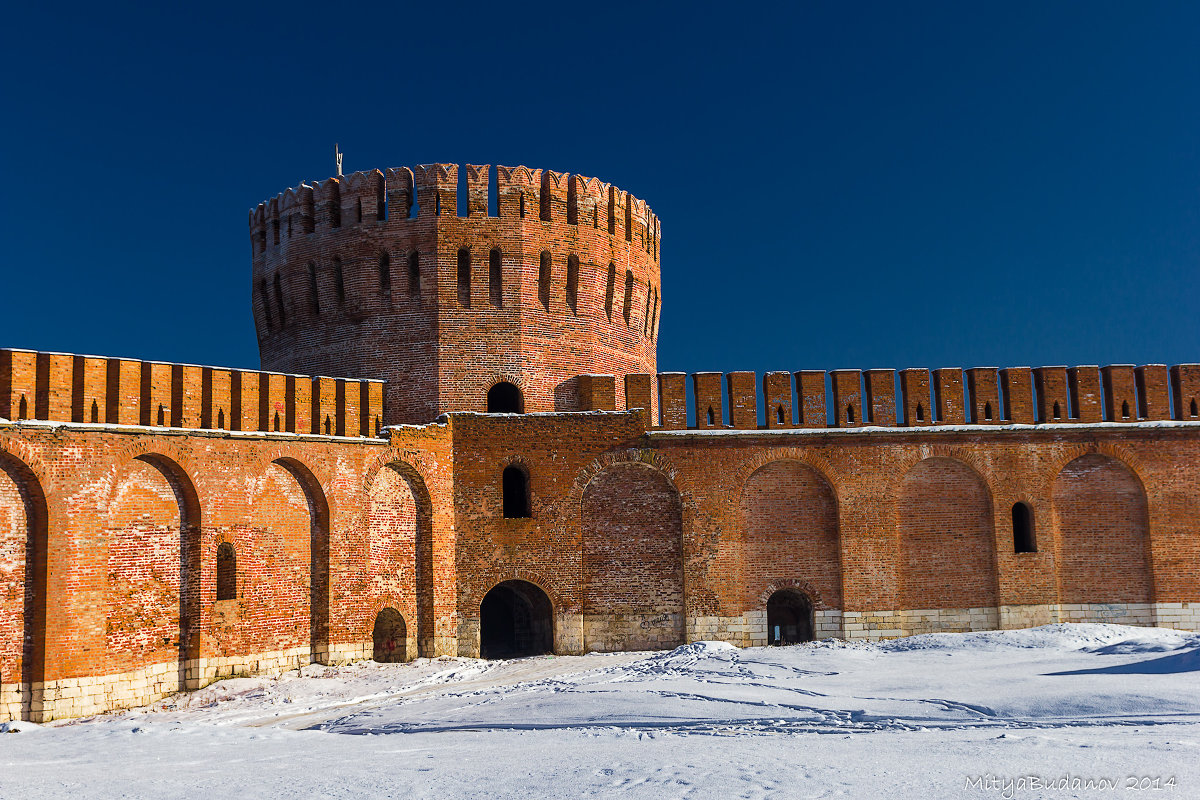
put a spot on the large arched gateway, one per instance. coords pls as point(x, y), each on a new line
point(515, 619)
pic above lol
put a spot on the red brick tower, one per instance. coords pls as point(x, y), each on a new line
point(352, 278)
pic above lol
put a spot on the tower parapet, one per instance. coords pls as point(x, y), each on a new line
point(430, 279)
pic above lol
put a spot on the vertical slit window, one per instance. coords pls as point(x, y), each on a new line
point(515, 487)
point(544, 199)
point(573, 283)
point(627, 306)
point(572, 202)
point(275, 232)
point(496, 278)
point(339, 283)
point(335, 205)
point(265, 299)
point(312, 288)
point(628, 219)
point(608, 293)
point(414, 277)
point(380, 199)
point(358, 210)
point(385, 278)
point(544, 280)
point(279, 301)
point(612, 211)
point(464, 277)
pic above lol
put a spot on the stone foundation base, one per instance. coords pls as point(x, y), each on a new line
point(1182, 616)
point(611, 633)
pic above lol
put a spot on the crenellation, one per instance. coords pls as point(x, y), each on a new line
point(743, 400)
point(983, 390)
point(1018, 394)
point(777, 398)
point(880, 399)
point(915, 398)
point(1185, 390)
point(948, 396)
point(706, 390)
point(1120, 393)
point(1083, 386)
point(1153, 389)
point(478, 177)
point(672, 400)
point(847, 398)
point(1053, 399)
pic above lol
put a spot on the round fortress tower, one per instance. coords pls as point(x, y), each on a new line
point(353, 278)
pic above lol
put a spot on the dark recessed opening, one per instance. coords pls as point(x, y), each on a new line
point(515, 485)
point(1022, 522)
point(505, 398)
point(515, 620)
point(789, 617)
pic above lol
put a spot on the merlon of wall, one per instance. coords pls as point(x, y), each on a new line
point(63, 387)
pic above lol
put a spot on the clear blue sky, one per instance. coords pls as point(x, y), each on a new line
point(840, 184)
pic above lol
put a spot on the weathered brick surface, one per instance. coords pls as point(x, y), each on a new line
point(120, 480)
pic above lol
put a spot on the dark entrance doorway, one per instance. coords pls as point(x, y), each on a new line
point(505, 398)
point(789, 617)
point(390, 637)
point(515, 619)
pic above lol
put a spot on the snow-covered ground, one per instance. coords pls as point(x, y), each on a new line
point(997, 714)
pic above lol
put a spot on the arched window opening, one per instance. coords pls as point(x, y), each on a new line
point(789, 618)
point(627, 309)
point(628, 218)
point(987, 411)
point(266, 303)
point(220, 419)
point(312, 289)
point(279, 301)
point(505, 398)
point(358, 207)
point(612, 211)
point(522, 209)
point(544, 280)
point(515, 485)
point(495, 278)
point(1057, 410)
point(385, 277)
point(414, 277)
point(516, 619)
point(1192, 408)
point(23, 408)
point(1022, 524)
point(289, 233)
point(711, 417)
point(920, 413)
point(339, 283)
point(572, 202)
point(335, 204)
point(849, 413)
point(389, 637)
point(1124, 409)
point(573, 283)
point(277, 422)
point(608, 293)
point(380, 199)
point(226, 572)
point(275, 231)
point(162, 415)
point(596, 217)
point(328, 426)
point(544, 199)
point(779, 415)
point(464, 277)
point(95, 412)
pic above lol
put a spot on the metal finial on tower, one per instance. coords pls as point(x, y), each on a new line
point(337, 156)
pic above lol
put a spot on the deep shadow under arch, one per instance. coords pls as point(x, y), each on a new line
point(516, 618)
point(33, 634)
point(423, 555)
point(389, 637)
point(318, 549)
point(189, 566)
point(505, 398)
point(789, 617)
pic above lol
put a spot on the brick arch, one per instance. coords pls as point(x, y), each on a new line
point(1117, 452)
point(631, 520)
point(646, 456)
point(23, 452)
point(318, 553)
point(804, 587)
point(166, 450)
point(399, 546)
point(1102, 532)
point(965, 455)
point(946, 536)
point(24, 536)
point(816, 461)
point(790, 530)
point(393, 457)
point(484, 582)
point(153, 570)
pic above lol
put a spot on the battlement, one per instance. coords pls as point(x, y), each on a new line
point(431, 191)
point(63, 387)
point(851, 398)
point(444, 279)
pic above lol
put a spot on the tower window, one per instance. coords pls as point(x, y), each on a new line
point(608, 294)
point(544, 280)
point(385, 277)
point(573, 286)
point(414, 277)
point(495, 278)
point(464, 277)
point(516, 493)
point(627, 310)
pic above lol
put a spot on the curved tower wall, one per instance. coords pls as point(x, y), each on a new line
point(336, 292)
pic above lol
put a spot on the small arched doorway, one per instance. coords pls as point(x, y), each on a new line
point(515, 620)
point(505, 398)
point(390, 637)
point(789, 617)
